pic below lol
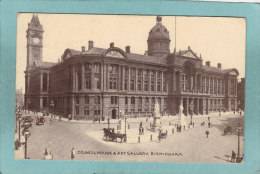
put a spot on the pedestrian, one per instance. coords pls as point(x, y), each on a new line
point(69, 117)
point(208, 118)
point(240, 113)
point(233, 156)
point(72, 154)
point(207, 133)
point(193, 124)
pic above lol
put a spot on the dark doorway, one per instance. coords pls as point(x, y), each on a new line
point(114, 114)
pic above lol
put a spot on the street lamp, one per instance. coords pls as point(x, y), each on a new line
point(125, 129)
point(191, 110)
point(220, 106)
point(20, 119)
point(239, 129)
point(52, 105)
point(26, 135)
point(108, 118)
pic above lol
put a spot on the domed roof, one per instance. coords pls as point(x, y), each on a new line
point(158, 30)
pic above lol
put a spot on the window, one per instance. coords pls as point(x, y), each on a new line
point(146, 79)
point(132, 82)
point(97, 100)
point(140, 104)
point(77, 110)
point(184, 82)
point(159, 81)
point(132, 100)
point(140, 79)
point(215, 86)
point(207, 85)
point(223, 87)
point(113, 99)
point(164, 82)
point(87, 67)
point(113, 72)
point(44, 102)
point(45, 82)
point(77, 100)
point(126, 78)
point(152, 80)
point(86, 99)
point(202, 84)
point(86, 111)
point(211, 86)
point(126, 100)
point(79, 80)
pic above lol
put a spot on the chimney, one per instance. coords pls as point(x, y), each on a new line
point(208, 63)
point(83, 48)
point(112, 45)
point(219, 65)
point(90, 44)
point(127, 49)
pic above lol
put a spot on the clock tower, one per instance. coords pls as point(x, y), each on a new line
point(34, 41)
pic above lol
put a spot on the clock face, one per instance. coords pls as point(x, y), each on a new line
point(36, 40)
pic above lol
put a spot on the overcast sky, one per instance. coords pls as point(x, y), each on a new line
point(217, 39)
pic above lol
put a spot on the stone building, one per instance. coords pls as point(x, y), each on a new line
point(241, 94)
point(102, 82)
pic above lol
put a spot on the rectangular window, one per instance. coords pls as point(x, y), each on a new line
point(45, 82)
point(132, 82)
point(86, 111)
point(152, 81)
point(86, 99)
point(126, 100)
point(126, 78)
point(132, 100)
point(113, 99)
point(164, 82)
point(113, 72)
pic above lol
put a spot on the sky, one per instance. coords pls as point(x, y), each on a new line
point(217, 39)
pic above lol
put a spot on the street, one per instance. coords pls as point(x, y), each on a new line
point(188, 146)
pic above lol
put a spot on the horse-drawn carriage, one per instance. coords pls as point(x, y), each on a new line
point(227, 130)
point(162, 134)
point(109, 134)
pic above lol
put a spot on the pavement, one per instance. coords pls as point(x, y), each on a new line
point(190, 145)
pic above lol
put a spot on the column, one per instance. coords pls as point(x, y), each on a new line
point(93, 83)
point(187, 106)
point(208, 105)
point(119, 78)
point(136, 79)
point(129, 79)
point(41, 81)
point(73, 78)
point(196, 82)
point(123, 78)
point(82, 76)
point(102, 78)
point(180, 88)
point(162, 81)
point(73, 107)
point(173, 81)
point(180, 103)
point(107, 75)
point(149, 80)
point(142, 80)
point(155, 82)
point(198, 106)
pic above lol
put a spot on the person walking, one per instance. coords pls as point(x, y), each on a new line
point(207, 133)
point(72, 154)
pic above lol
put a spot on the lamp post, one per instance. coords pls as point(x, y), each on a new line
point(26, 135)
point(125, 129)
point(191, 109)
point(239, 129)
point(52, 105)
point(220, 106)
point(108, 118)
point(20, 119)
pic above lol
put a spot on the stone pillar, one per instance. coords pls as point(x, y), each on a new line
point(187, 106)
point(155, 82)
point(93, 83)
point(82, 76)
point(129, 79)
point(102, 78)
point(149, 81)
point(123, 78)
point(73, 107)
point(108, 76)
point(41, 81)
point(161, 81)
point(119, 78)
point(136, 79)
point(198, 106)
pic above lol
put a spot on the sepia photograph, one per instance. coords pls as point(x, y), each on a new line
point(130, 88)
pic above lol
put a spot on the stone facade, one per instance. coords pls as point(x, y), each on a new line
point(97, 83)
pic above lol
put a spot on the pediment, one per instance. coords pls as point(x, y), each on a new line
point(114, 53)
point(189, 53)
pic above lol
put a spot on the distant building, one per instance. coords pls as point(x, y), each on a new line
point(241, 93)
point(103, 81)
point(19, 98)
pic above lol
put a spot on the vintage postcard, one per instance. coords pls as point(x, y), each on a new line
point(130, 88)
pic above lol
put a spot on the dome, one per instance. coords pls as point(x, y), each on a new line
point(159, 30)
